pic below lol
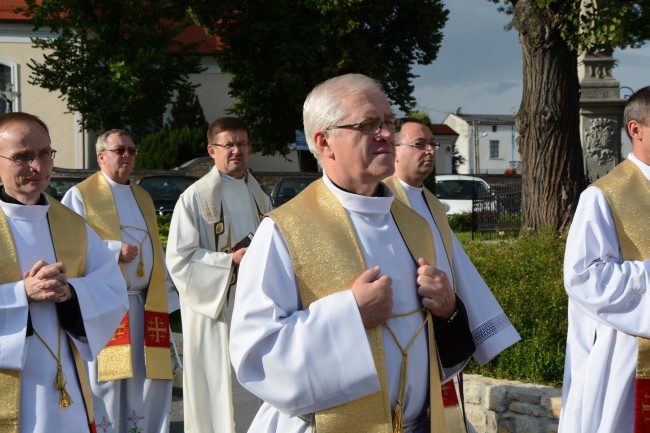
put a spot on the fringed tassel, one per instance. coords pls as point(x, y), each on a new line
point(64, 398)
point(141, 267)
point(397, 418)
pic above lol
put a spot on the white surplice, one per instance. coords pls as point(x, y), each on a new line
point(491, 330)
point(136, 402)
point(202, 271)
point(102, 299)
point(608, 308)
point(303, 361)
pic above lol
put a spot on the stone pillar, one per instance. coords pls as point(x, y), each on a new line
point(601, 113)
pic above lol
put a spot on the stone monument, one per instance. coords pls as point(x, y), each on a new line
point(601, 113)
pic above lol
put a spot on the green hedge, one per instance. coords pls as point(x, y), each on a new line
point(169, 148)
point(525, 276)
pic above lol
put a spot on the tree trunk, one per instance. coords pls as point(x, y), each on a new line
point(548, 122)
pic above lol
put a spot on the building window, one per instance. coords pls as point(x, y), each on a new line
point(494, 149)
point(9, 94)
point(494, 128)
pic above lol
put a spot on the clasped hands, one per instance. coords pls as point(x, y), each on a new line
point(374, 294)
point(47, 282)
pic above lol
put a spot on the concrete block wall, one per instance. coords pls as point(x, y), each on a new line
point(505, 406)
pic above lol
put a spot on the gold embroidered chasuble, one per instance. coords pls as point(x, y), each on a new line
point(438, 213)
point(65, 226)
point(628, 195)
point(453, 410)
point(114, 361)
point(329, 260)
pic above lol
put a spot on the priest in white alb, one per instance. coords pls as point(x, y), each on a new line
point(414, 161)
point(342, 321)
point(131, 379)
point(212, 222)
point(61, 293)
point(606, 385)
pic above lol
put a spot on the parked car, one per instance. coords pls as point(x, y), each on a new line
point(289, 187)
point(58, 186)
point(456, 192)
point(165, 190)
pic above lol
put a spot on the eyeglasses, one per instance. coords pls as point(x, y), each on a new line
point(131, 151)
point(24, 159)
point(422, 145)
point(370, 127)
point(231, 146)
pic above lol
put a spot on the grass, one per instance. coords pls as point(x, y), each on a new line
point(525, 275)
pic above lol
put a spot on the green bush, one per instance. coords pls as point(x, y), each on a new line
point(163, 228)
point(461, 222)
point(169, 148)
point(525, 276)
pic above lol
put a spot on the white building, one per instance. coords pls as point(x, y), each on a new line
point(488, 142)
point(447, 137)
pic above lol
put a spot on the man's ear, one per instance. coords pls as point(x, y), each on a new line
point(635, 129)
point(323, 146)
point(210, 149)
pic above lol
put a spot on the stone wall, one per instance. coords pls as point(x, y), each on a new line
point(505, 406)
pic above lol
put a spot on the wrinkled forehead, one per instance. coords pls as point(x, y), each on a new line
point(366, 104)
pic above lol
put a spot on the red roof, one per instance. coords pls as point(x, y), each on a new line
point(194, 33)
point(442, 129)
point(7, 10)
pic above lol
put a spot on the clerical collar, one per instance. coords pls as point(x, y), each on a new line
point(408, 188)
point(113, 183)
point(232, 179)
point(645, 168)
point(379, 192)
point(8, 199)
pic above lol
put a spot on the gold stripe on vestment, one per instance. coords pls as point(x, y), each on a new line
point(454, 414)
point(68, 232)
point(114, 361)
point(329, 260)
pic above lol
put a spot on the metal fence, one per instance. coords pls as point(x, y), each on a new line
point(497, 213)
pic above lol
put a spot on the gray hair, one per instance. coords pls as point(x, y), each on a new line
point(102, 141)
point(322, 108)
point(637, 108)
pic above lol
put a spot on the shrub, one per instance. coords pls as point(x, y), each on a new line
point(525, 276)
point(461, 222)
point(169, 148)
point(163, 228)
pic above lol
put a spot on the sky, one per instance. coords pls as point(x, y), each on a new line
point(479, 65)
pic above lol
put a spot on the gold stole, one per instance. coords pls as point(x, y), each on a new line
point(628, 194)
point(453, 409)
point(114, 361)
point(328, 260)
point(69, 240)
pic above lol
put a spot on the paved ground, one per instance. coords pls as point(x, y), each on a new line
point(244, 412)
point(243, 416)
point(177, 411)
